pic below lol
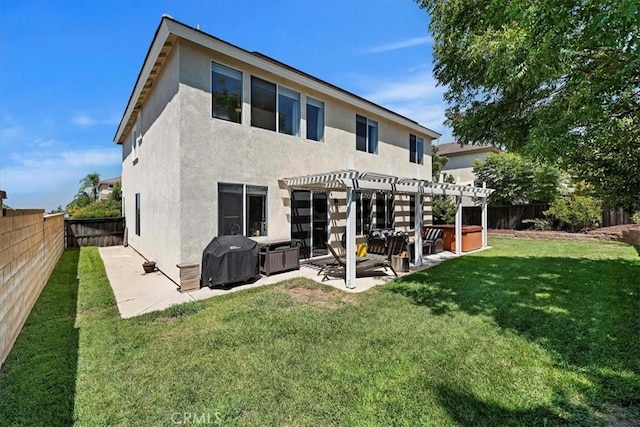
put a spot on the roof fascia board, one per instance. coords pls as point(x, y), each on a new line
point(206, 40)
point(162, 33)
point(170, 26)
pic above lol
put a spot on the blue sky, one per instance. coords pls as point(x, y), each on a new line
point(67, 69)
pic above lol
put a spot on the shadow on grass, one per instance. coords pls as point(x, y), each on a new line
point(468, 410)
point(584, 311)
point(38, 379)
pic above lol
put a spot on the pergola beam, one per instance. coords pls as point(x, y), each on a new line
point(351, 181)
point(350, 271)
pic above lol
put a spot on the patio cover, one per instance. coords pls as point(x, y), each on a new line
point(352, 180)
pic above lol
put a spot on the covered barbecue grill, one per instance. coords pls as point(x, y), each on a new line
point(229, 259)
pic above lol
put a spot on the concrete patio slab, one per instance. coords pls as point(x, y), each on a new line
point(137, 293)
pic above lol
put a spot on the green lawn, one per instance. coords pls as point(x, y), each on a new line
point(527, 333)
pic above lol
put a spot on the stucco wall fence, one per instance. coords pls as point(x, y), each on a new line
point(30, 246)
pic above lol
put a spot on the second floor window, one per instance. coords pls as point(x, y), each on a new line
point(315, 119)
point(416, 149)
point(263, 104)
point(288, 111)
point(366, 135)
point(226, 93)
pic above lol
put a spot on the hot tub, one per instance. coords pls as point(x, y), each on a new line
point(471, 237)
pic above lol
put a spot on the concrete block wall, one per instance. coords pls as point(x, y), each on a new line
point(30, 247)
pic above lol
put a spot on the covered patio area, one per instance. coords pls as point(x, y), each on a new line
point(351, 182)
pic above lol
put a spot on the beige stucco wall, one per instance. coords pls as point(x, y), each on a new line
point(185, 153)
point(30, 247)
point(156, 174)
point(218, 151)
point(461, 168)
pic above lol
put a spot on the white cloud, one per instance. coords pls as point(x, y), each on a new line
point(414, 95)
point(9, 132)
point(43, 143)
point(402, 44)
point(83, 119)
point(36, 171)
point(407, 87)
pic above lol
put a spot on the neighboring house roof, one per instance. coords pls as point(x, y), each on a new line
point(455, 149)
point(111, 180)
point(164, 39)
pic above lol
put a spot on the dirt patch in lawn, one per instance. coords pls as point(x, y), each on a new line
point(317, 297)
point(605, 233)
point(618, 416)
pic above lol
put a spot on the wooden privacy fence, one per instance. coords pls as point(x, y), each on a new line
point(503, 217)
point(510, 217)
point(93, 232)
point(611, 217)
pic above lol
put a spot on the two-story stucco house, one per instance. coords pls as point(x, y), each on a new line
point(211, 133)
point(105, 187)
point(460, 162)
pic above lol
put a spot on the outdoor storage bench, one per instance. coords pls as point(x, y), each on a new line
point(278, 256)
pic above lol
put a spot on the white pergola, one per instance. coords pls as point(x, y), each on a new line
point(350, 181)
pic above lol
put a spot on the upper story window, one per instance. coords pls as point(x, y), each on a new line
point(263, 104)
point(136, 139)
point(416, 149)
point(366, 135)
point(266, 107)
point(315, 119)
point(226, 93)
point(288, 111)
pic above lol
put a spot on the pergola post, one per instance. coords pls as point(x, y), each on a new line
point(350, 271)
point(484, 218)
point(458, 225)
point(418, 224)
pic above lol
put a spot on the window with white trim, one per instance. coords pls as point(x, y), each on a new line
point(366, 135)
point(137, 229)
point(274, 107)
point(315, 119)
point(263, 104)
point(416, 149)
point(288, 111)
point(242, 209)
point(226, 93)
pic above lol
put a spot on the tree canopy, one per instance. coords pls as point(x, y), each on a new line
point(90, 182)
point(517, 180)
point(559, 80)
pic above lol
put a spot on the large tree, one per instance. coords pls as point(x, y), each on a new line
point(557, 79)
point(517, 180)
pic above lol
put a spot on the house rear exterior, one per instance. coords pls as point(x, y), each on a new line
point(211, 130)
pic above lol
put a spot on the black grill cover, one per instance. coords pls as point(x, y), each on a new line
point(229, 259)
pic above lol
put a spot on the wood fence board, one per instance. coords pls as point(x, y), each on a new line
point(511, 217)
point(94, 232)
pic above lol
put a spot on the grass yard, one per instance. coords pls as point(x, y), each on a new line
point(528, 333)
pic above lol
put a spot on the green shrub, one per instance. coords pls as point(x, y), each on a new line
point(539, 224)
point(635, 218)
point(443, 210)
point(100, 209)
point(575, 213)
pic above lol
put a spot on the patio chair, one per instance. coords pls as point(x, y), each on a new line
point(432, 241)
point(363, 266)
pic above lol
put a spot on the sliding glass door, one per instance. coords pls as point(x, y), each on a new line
point(309, 222)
